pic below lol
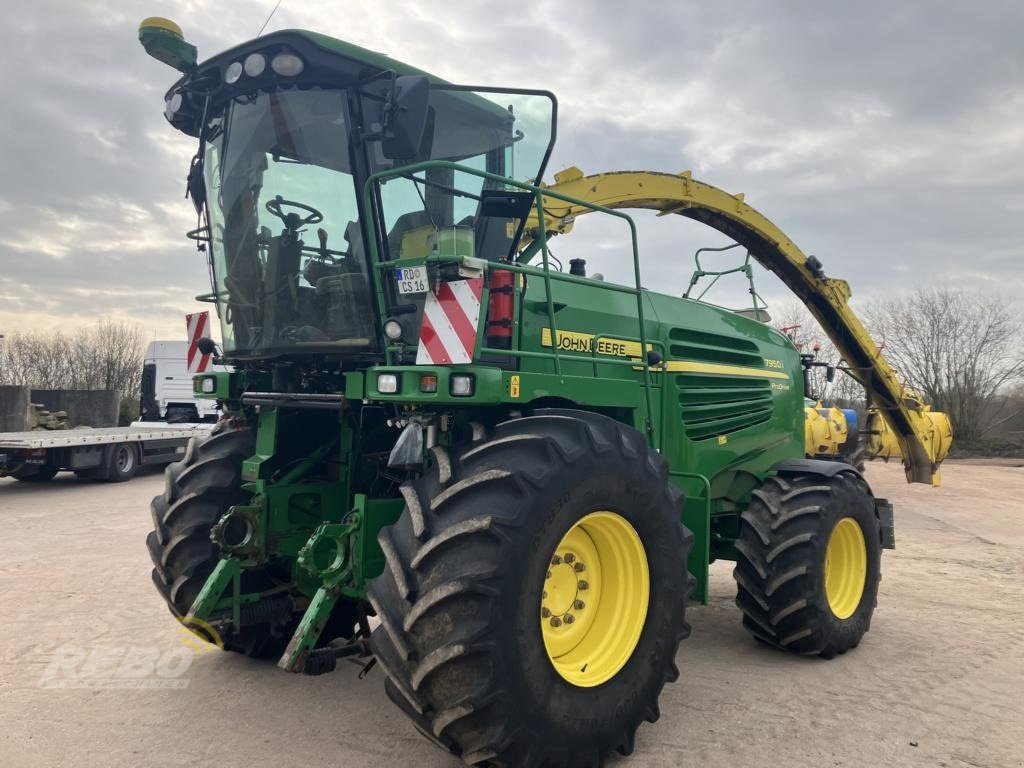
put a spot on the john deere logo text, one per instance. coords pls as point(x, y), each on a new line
point(571, 341)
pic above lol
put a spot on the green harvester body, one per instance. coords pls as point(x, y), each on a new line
point(718, 394)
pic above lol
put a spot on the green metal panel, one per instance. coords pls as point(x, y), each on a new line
point(259, 466)
point(377, 513)
point(721, 401)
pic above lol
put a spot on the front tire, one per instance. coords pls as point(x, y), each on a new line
point(474, 581)
point(199, 490)
point(808, 563)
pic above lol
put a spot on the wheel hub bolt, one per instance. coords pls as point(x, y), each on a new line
point(555, 621)
point(556, 560)
point(579, 567)
point(579, 605)
point(584, 585)
point(545, 613)
point(548, 575)
point(543, 595)
point(569, 618)
point(570, 558)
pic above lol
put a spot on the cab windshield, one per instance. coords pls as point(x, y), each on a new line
point(288, 266)
point(290, 269)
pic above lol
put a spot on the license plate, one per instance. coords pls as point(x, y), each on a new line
point(411, 279)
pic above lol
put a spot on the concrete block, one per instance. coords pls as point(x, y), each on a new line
point(14, 402)
point(85, 407)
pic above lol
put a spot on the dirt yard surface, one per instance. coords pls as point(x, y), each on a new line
point(938, 681)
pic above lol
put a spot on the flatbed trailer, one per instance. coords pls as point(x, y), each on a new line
point(102, 453)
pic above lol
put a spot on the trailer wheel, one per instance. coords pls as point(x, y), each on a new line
point(808, 563)
point(35, 473)
point(121, 462)
point(534, 591)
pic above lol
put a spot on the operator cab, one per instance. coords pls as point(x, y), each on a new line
point(293, 127)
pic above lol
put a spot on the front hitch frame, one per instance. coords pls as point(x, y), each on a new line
point(327, 556)
point(241, 533)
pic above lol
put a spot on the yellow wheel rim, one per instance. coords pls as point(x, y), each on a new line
point(846, 568)
point(594, 601)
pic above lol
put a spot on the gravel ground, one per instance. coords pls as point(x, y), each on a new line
point(938, 681)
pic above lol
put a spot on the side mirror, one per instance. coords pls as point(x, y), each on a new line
point(206, 345)
point(830, 374)
point(404, 117)
point(195, 187)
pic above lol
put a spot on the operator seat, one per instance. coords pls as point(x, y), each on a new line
point(346, 295)
point(405, 223)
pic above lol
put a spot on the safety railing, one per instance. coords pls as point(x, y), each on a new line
point(556, 356)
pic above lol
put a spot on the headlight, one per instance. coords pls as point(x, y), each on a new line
point(387, 383)
point(233, 72)
point(209, 385)
point(172, 106)
point(461, 385)
point(287, 64)
point(255, 63)
point(393, 329)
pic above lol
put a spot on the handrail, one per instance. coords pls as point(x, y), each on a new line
point(633, 361)
point(539, 193)
point(199, 234)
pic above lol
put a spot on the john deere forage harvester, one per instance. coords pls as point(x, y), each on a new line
point(499, 481)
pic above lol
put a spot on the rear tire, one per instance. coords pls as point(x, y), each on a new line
point(467, 568)
point(794, 527)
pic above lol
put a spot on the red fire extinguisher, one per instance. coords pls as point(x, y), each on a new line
point(499, 309)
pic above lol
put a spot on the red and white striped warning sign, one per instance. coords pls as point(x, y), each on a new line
point(198, 325)
point(450, 318)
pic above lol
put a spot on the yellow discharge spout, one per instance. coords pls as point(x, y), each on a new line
point(883, 443)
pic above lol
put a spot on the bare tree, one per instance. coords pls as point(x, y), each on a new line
point(107, 355)
point(793, 319)
point(961, 350)
point(37, 359)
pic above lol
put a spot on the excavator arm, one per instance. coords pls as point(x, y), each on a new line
point(827, 298)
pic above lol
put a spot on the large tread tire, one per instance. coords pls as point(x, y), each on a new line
point(780, 562)
point(198, 491)
point(460, 637)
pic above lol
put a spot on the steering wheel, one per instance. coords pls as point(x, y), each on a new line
point(292, 220)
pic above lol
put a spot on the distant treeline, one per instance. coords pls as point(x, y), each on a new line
point(107, 355)
point(964, 351)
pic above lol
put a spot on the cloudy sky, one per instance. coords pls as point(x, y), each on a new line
point(886, 138)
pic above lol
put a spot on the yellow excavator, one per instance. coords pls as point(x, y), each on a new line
point(898, 423)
